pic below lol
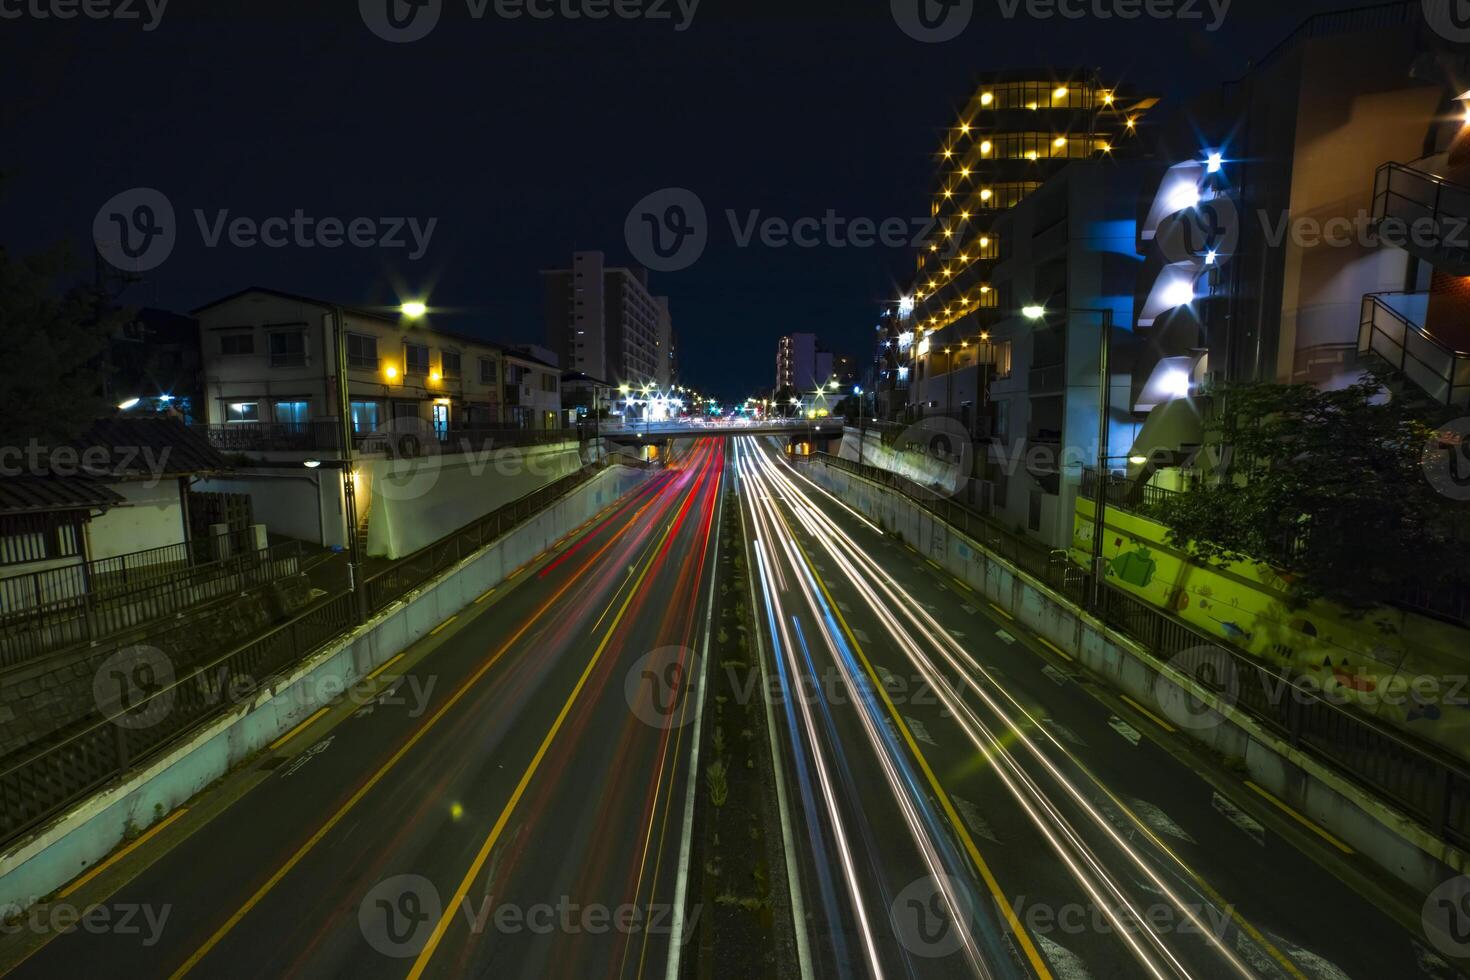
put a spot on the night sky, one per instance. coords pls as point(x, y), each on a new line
point(527, 139)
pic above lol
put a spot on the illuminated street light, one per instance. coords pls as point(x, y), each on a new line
point(413, 309)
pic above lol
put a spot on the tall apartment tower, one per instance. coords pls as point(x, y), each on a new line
point(801, 364)
point(602, 321)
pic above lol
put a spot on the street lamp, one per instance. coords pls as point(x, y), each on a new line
point(413, 309)
point(1105, 346)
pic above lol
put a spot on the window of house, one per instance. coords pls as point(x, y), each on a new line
point(362, 351)
point(365, 415)
point(294, 412)
point(487, 370)
point(37, 537)
point(415, 359)
point(288, 348)
point(549, 382)
point(449, 363)
point(242, 412)
point(232, 344)
point(1033, 518)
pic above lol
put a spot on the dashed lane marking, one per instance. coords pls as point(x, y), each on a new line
point(1242, 820)
point(1133, 735)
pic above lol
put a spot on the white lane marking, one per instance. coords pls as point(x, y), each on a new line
point(968, 608)
point(931, 607)
point(1066, 733)
point(1055, 676)
point(970, 813)
point(1005, 637)
point(1120, 726)
point(306, 756)
point(1160, 821)
point(859, 633)
point(1261, 964)
point(1242, 820)
point(1065, 964)
point(920, 733)
point(1432, 965)
point(1312, 963)
point(957, 634)
point(843, 606)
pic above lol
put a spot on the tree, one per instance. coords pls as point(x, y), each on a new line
point(783, 398)
point(1329, 489)
point(52, 339)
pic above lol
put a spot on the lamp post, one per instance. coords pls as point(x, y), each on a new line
point(1104, 408)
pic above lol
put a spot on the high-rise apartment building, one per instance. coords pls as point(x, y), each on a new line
point(801, 362)
point(602, 321)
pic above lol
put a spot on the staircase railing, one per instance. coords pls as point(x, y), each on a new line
point(1422, 212)
point(1442, 372)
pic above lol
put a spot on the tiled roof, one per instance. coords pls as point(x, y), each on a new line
point(42, 494)
point(147, 447)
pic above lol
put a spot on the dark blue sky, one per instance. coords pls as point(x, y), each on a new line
point(526, 139)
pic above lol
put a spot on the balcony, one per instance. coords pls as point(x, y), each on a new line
point(1387, 333)
point(1423, 214)
point(1049, 380)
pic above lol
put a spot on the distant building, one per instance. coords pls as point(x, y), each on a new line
point(602, 320)
point(802, 363)
point(532, 388)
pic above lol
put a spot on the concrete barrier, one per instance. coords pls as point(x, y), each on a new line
point(1391, 839)
point(40, 863)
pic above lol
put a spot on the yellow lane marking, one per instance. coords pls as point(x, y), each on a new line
point(931, 561)
point(478, 864)
point(485, 595)
point(1284, 808)
point(147, 835)
point(393, 760)
point(296, 730)
point(1002, 612)
point(1006, 907)
point(963, 584)
point(1148, 714)
point(515, 573)
point(436, 629)
point(1053, 648)
point(385, 665)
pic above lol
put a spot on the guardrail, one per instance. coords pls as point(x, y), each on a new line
point(1428, 784)
point(1417, 201)
point(30, 631)
point(44, 779)
point(325, 435)
point(1442, 372)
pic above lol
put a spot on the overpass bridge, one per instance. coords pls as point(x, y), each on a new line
point(828, 428)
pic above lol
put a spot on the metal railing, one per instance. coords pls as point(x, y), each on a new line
point(45, 778)
point(39, 629)
point(1442, 372)
point(324, 435)
point(1408, 204)
point(1420, 779)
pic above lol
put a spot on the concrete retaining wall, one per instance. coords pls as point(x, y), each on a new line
point(54, 854)
point(1386, 836)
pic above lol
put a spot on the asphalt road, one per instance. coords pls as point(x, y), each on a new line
point(968, 802)
point(508, 800)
